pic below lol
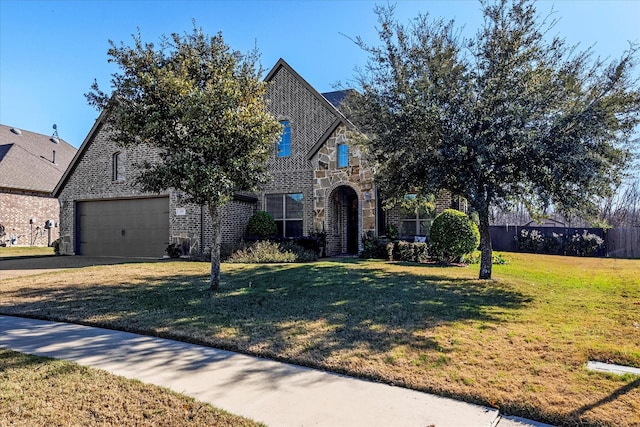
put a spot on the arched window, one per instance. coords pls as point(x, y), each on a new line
point(117, 167)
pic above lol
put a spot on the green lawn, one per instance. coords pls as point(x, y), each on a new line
point(519, 342)
point(21, 251)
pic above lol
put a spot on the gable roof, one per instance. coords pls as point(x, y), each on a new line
point(341, 119)
point(337, 96)
point(27, 160)
point(78, 155)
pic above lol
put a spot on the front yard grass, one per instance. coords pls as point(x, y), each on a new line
point(22, 251)
point(38, 391)
point(519, 343)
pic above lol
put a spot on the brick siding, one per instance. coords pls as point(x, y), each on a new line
point(17, 208)
point(92, 180)
point(317, 177)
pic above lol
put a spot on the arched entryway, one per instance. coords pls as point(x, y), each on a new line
point(344, 221)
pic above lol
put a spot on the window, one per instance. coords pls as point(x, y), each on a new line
point(284, 145)
point(286, 210)
point(343, 155)
point(415, 219)
point(117, 167)
point(459, 203)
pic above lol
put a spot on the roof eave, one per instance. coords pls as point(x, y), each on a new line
point(76, 158)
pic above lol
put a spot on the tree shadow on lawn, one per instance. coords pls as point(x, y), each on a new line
point(294, 309)
point(363, 303)
point(13, 360)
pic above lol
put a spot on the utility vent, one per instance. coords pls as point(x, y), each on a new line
point(16, 131)
point(54, 138)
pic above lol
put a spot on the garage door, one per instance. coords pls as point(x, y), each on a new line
point(129, 228)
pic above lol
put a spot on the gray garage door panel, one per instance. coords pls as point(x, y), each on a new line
point(130, 228)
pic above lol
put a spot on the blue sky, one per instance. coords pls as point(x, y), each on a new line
point(51, 51)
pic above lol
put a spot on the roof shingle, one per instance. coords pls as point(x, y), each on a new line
point(27, 160)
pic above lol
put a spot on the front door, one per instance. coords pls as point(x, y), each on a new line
point(345, 222)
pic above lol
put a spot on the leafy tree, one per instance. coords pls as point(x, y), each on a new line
point(622, 209)
point(200, 106)
point(511, 115)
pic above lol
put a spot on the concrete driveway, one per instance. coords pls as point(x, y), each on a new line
point(25, 266)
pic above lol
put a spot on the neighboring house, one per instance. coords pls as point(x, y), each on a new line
point(321, 182)
point(31, 165)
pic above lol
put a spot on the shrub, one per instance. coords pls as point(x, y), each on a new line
point(226, 250)
point(554, 244)
point(301, 253)
point(411, 252)
point(474, 258)
point(266, 251)
point(373, 247)
point(531, 241)
point(56, 246)
point(585, 244)
point(321, 238)
point(453, 235)
point(173, 250)
point(393, 253)
point(392, 232)
point(262, 251)
point(579, 244)
point(309, 243)
point(261, 224)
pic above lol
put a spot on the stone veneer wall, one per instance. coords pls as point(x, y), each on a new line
point(18, 207)
point(328, 177)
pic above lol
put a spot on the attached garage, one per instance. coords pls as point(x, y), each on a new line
point(124, 227)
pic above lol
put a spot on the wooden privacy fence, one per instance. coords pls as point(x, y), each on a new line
point(618, 242)
point(623, 242)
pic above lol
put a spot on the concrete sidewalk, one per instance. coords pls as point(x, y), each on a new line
point(277, 394)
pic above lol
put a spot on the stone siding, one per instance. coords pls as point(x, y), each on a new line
point(316, 175)
point(328, 178)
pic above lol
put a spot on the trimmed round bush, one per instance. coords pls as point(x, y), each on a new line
point(453, 235)
point(262, 225)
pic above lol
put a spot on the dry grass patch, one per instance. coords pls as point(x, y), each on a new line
point(518, 343)
point(42, 391)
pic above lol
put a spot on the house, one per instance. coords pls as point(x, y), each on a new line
point(321, 182)
point(31, 165)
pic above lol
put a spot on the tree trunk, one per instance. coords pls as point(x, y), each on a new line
point(214, 281)
point(485, 245)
